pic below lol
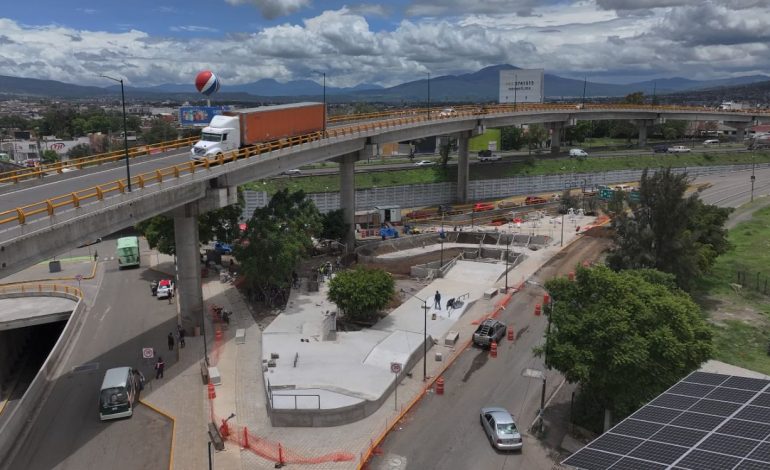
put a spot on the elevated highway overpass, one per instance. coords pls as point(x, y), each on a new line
point(55, 209)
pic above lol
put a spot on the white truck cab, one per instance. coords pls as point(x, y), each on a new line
point(222, 135)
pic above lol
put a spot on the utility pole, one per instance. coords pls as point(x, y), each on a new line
point(753, 177)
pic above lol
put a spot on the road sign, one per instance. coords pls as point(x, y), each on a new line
point(395, 367)
point(148, 353)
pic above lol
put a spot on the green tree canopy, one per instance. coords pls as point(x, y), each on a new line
point(334, 226)
point(624, 336)
point(636, 97)
point(277, 238)
point(511, 138)
point(361, 292)
point(221, 224)
point(666, 231)
point(159, 131)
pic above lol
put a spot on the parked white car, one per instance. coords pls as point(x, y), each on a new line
point(577, 153)
point(679, 149)
point(424, 163)
point(491, 157)
point(711, 141)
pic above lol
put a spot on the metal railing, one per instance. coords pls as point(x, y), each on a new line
point(74, 199)
point(37, 288)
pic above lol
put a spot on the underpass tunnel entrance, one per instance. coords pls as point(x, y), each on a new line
point(22, 352)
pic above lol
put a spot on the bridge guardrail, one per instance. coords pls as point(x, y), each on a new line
point(38, 288)
point(19, 215)
point(15, 176)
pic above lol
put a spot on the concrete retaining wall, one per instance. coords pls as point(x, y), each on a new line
point(14, 426)
point(420, 195)
point(344, 415)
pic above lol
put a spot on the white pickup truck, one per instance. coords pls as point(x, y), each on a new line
point(488, 156)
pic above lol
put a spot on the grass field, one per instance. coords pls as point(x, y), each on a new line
point(741, 316)
point(481, 142)
point(330, 183)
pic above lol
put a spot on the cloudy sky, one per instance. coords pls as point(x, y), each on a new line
point(150, 42)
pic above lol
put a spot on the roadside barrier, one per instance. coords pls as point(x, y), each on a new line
point(510, 332)
point(493, 349)
point(440, 386)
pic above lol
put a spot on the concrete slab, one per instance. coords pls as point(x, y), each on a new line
point(28, 311)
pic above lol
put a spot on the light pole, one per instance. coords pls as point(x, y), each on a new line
point(507, 248)
point(324, 86)
point(424, 334)
point(428, 96)
point(125, 130)
point(441, 237)
point(752, 178)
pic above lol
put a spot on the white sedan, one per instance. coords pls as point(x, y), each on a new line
point(424, 163)
point(679, 149)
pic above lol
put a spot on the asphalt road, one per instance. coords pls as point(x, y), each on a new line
point(66, 433)
point(444, 431)
point(734, 189)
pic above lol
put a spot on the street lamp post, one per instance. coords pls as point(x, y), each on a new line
point(428, 96)
point(323, 74)
point(441, 237)
point(125, 130)
point(752, 178)
point(507, 248)
point(515, 87)
point(424, 334)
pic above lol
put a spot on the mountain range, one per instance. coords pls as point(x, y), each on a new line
point(479, 86)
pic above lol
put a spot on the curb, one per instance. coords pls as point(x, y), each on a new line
point(173, 429)
point(428, 385)
point(90, 276)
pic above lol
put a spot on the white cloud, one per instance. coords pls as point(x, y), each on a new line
point(274, 8)
point(193, 29)
point(704, 41)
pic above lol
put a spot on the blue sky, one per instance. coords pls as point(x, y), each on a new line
point(150, 42)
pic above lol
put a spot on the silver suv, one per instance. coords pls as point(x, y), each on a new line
point(489, 330)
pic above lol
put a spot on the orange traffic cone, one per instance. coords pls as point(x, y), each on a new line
point(510, 332)
point(440, 386)
point(493, 349)
point(212, 391)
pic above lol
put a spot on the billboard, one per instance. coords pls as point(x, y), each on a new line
point(199, 115)
point(522, 86)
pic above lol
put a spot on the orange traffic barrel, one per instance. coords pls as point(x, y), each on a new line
point(493, 349)
point(440, 386)
point(510, 332)
point(537, 310)
point(212, 391)
point(546, 299)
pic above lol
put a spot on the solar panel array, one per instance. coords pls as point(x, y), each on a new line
point(704, 422)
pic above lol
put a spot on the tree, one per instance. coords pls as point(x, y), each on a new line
point(49, 156)
point(578, 132)
point(79, 151)
point(277, 238)
point(334, 226)
point(511, 138)
point(536, 135)
point(159, 131)
point(221, 224)
point(636, 97)
point(624, 336)
point(568, 200)
point(361, 292)
point(668, 232)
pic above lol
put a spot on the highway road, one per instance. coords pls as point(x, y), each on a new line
point(444, 431)
point(66, 432)
point(734, 189)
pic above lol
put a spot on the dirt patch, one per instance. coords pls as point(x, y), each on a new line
point(720, 311)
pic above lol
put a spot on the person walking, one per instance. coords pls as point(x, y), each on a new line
point(96, 256)
point(171, 341)
point(159, 366)
point(181, 335)
point(171, 295)
point(437, 301)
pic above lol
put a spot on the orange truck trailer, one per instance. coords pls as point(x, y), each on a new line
point(237, 129)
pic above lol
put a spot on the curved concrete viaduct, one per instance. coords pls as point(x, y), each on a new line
point(65, 218)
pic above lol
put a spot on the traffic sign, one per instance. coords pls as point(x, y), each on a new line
point(148, 353)
point(395, 367)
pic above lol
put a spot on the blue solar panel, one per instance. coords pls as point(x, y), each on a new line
point(705, 422)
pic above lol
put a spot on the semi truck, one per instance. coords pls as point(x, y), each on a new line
point(233, 130)
point(758, 142)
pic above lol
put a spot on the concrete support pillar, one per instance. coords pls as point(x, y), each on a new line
point(462, 167)
point(188, 266)
point(348, 197)
point(642, 134)
point(556, 128)
point(740, 133)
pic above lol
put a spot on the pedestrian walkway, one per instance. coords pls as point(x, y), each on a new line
point(254, 443)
